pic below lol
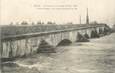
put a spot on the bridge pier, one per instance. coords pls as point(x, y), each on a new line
point(94, 34)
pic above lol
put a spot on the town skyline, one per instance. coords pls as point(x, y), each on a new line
point(101, 11)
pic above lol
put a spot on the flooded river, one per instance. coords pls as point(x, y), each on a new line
point(96, 56)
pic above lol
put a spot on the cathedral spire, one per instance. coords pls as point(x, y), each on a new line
point(87, 17)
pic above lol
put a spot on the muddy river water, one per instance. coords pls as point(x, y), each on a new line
point(96, 56)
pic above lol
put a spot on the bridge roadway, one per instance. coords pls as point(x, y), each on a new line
point(12, 32)
point(17, 44)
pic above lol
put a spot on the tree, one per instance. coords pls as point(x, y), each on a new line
point(24, 23)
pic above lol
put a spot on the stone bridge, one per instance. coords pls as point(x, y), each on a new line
point(26, 44)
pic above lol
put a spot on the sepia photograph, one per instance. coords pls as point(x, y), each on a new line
point(57, 36)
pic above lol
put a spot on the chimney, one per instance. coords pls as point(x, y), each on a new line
point(87, 17)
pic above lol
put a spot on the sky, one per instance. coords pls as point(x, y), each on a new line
point(102, 11)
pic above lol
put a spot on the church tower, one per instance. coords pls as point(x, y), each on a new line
point(87, 17)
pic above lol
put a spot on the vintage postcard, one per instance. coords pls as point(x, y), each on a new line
point(57, 36)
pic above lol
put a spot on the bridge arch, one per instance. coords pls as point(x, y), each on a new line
point(81, 37)
point(64, 42)
point(45, 46)
point(86, 35)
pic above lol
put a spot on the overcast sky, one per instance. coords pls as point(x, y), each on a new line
point(25, 10)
